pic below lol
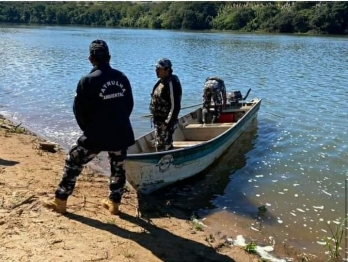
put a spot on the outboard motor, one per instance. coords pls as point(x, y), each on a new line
point(233, 97)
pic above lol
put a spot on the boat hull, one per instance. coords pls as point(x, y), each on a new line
point(152, 171)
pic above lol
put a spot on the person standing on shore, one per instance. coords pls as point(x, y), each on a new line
point(213, 89)
point(102, 108)
point(165, 104)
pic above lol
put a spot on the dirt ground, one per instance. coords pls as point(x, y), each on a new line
point(30, 232)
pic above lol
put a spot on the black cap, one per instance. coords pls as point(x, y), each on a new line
point(163, 63)
point(99, 48)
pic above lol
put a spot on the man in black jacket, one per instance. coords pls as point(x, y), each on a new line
point(102, 108)
point(165, 104)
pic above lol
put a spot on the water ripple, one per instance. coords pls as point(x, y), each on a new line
point(297, 161)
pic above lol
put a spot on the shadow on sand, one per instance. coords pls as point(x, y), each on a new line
point(163, 244)
point(4, 162)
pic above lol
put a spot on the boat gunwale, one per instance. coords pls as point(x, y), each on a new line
point(204, 143)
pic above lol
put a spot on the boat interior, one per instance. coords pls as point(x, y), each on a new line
point(190, 131)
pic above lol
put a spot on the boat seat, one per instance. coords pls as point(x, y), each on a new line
point(217, 125)
point(205, 132)
point(186, 143)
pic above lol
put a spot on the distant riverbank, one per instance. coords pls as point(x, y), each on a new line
point(275, 17)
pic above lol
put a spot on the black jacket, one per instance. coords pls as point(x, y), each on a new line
point(102, 107)
point(166, 101)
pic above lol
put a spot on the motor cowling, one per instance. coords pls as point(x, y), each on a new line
point(234, 96)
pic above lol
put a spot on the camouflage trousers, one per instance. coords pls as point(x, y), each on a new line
point(164, 138)
point(77, 157)
point(216, 113)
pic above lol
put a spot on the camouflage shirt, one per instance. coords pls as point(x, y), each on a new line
point(213, 89)
point(165, 102)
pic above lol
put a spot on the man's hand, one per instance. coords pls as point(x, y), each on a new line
point(163, 127)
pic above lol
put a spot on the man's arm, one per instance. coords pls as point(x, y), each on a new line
point(80, 106)
point(129, 97)
point(175, 92)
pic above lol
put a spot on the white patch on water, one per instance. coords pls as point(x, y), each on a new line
point(255, 229)
point(318, 207)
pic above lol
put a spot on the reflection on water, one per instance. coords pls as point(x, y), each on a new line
point(200, 192)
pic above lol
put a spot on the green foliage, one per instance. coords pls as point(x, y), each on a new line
point(330, 18)
point(17, 129)
point(336, 238)
point(196, 224)
point(284, 17)
point(111, 221)
point(281, 23)
point(251, 248)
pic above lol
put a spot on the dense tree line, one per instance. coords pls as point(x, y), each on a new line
point(283, 17)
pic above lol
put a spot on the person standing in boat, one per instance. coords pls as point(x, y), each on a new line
point(165, 104)
point(102, 107)
point(213, 90)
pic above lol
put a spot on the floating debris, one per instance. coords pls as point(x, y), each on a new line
point(255, 229)
point(321, 243)
point(326, 192)
point(318, 207)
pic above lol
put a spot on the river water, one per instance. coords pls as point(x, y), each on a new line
point(293, 159)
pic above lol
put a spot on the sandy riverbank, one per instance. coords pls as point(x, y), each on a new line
point(29, 232)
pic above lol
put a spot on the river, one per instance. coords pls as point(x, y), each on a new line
point(293, 159)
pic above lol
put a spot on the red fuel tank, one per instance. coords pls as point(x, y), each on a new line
point(226, 118)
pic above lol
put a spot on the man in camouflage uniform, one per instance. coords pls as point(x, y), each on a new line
point(102, 107)
point(165, 104)
point(213, 89)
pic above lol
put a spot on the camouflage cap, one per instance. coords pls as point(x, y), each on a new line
point(99, 48)
point(163, 63)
